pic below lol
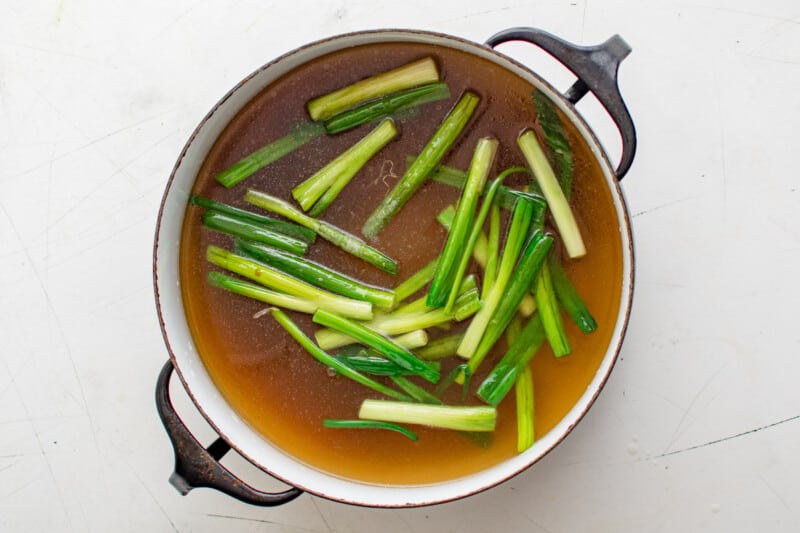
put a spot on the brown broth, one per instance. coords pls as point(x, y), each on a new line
point(271, 381)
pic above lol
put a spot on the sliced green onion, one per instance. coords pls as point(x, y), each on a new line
point(430, 156)
point(247, 230)
point(524, 396)
point(378, 342)
point(492, 251)
point(327, 231)
point(464, 418)
point(270, 153)
point(415, 281)
point(551, 314)
point(414, 74)
point(341, 170)
point(273, 224)
point(367, 363)
point(448, 268)
point(316, 274)
point(386, 106)
point(415, 391)
point(330, 361)
point(368, 424)
point(556, 139)
point(439, 348)
point(260, 293)
point(562, 213)
point(279, 281)
point(569, 297)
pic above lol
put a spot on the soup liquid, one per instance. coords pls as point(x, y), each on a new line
point(273, 383)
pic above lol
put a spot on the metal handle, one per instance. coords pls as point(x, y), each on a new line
point(596, 68)
point(196, 466)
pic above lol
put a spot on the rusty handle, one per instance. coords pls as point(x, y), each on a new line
point(596, 68)
point(196, 466)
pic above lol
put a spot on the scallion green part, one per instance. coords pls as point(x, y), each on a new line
point(464, 418)
point(415, 391)
point(247, 230)
point(368, 424)
point(439, 348)
point(415, 281)
point(260, 293)
point(556, 139)
point(524, 396)
point(550, 313)
point(569, 298)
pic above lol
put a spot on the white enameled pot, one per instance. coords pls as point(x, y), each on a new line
point(596, 68)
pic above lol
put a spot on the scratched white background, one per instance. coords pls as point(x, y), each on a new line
point(699, 426)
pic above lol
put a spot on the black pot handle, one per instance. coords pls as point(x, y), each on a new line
point(196, 466)
point(596, 68)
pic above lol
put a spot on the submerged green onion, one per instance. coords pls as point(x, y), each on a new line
point(439, 348)
point(415, 281)
point(464, 418)
point(247, 230)
point(415, 391)
point(524, 396)
point(329, 232)
point(330, 361)
point(551, 316)
point(269, 153)
point(364, 361)
point(568, 296)
point(368, 424)
point(261, 293)
point(414, 74)
point(556, 139)
point(437, 146)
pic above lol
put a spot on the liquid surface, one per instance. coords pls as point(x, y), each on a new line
point(279, 388)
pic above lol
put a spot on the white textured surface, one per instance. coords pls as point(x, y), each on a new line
point(697, 429)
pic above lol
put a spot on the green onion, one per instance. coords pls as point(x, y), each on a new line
point(262, 294)
point(338, 173)
point(316, 274)
point(524, 395)
point(556, 139)
point(386, 105)
point(530, 264)
point(376, 365)
point(414, 74)
point(379, 343)
point(562, 213)
point(492, 251)
point(273, 224)
point(330, 361)
point(430, 156)
point(439, 348)
point(327, 231)
point(445, 280)
point(464, 418)
point(415, 281)
point(415, 391)
point(279, 281)
point(503, 376)
point(479, 251)
point(551, 317)
point(520, 220)
point(569, 297)
point(420, 304)
point(270, 153)
point(461, 372)
point(368, 424)
point(246, 230)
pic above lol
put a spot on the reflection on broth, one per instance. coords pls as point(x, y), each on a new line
point(273, 383)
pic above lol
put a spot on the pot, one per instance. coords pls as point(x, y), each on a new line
point(198, 466)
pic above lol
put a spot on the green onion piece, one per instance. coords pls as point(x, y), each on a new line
point(420, 304)
point(462, 372)
point(519, 354)
point(524, 396)
point(527, 306)
point(328, 360)
point(530, 264)
point(465, 418)
point(327, 231)
point(480, 250)
point(415, 281)
point(386, 105)
point(415, 391)
point(445, 280)
point(556, 139)
point(430, 156)
point(270, 153)
point(279, 281)
point(368, 424)
point(570, 299)
point(414, 74)
point(381, 344)
point(439, 348)
point(367, 363)
point(520, 220)
point(492, 251)
point(562, 213)
point(316, 274)
point(246, 230)
point(551, 316)
point(273, 224)
point(341, 170)
point(262, 294)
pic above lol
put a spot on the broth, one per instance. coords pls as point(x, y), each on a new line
point(280, 389)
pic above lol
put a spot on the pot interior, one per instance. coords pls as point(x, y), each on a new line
point(237, 389)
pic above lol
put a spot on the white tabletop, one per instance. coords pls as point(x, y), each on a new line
point(697, 429)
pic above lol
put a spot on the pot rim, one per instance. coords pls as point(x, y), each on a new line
point(221, 416)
